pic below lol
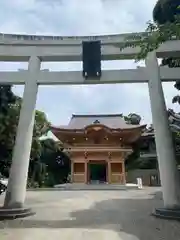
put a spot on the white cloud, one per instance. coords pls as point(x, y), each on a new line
point(79, 17)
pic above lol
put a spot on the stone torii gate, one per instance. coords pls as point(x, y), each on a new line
point(34, 50)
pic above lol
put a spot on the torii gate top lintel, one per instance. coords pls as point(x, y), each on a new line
point(14, 47)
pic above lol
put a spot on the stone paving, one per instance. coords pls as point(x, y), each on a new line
point(91, 215)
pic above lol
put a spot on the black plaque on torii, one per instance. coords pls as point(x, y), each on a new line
point(91, 58)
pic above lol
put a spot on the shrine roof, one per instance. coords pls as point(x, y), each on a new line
point(148, 133)
point(113, 121)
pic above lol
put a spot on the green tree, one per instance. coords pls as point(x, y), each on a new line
point(132, 160)
point(166, 10)
point(48, 163)
point(154, 35)
point(166, 26)
point(7, 117)
point(133, 119)
point(56, 160)
point(53, 166)
point(10, 106)
point(41, 128)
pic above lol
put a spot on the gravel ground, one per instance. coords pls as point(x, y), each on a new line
point(91, 215)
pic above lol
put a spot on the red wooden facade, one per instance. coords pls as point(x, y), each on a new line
point(98, 139)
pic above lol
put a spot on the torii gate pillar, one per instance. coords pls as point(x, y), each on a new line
point(16, 191)
point(164, 144)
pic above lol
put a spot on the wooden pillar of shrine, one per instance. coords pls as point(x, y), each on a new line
point(109, 168)
point(85, 168)
point(109, 172)
point(72, 171)
point(124, 172)
point(85, 171)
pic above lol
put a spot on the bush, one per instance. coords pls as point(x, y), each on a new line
point(32, 184)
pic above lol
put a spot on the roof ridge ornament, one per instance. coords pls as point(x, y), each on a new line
point(96, 121)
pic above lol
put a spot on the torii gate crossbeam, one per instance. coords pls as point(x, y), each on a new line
point(138, 75)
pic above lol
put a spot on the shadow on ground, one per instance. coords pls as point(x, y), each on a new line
point(132, 216)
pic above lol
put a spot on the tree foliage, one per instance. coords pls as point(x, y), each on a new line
point(44, 154)
point(9, 112)
point(53, 166)
point(133, 158)
point(153, 37)
point(56, 160)
point(133, 119)
point(7, 127)
point(166, 27)
point(166, 11)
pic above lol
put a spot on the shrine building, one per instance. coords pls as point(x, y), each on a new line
point(98, 146)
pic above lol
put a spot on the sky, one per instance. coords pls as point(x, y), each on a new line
point(83, 17)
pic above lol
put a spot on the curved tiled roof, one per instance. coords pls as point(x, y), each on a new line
point(113, 121)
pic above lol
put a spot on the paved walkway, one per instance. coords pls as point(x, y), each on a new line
point(91, 215)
